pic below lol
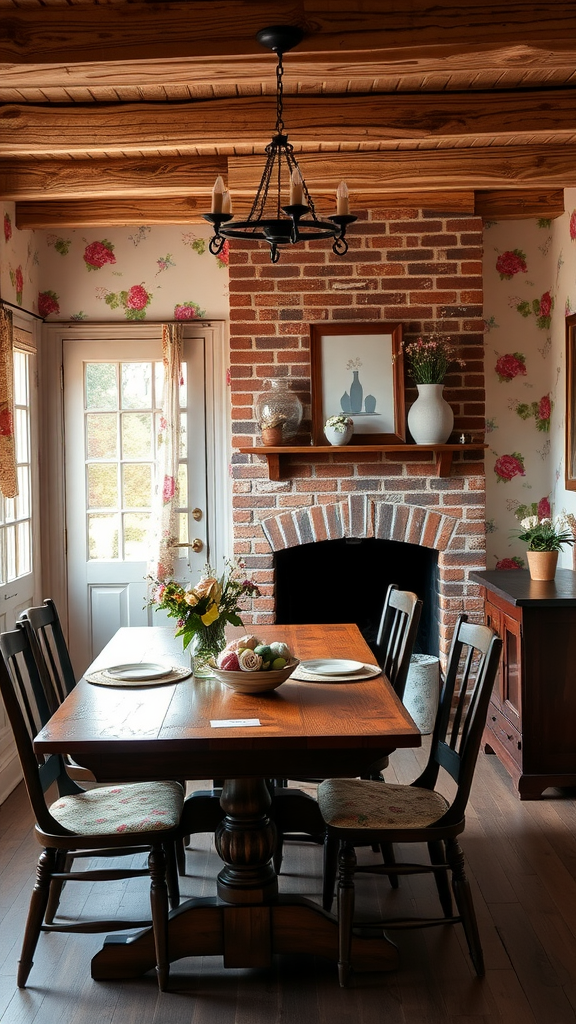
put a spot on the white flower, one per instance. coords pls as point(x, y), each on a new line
point(339, 423)
point(530, 522)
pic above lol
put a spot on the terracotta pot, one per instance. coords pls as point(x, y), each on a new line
point(542, 564)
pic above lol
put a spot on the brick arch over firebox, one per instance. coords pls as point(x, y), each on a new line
point(363, 516)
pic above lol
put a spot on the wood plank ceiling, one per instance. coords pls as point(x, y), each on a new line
point(124, 112)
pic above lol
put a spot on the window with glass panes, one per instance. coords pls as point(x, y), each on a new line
point(16, 513)
point(122, 410)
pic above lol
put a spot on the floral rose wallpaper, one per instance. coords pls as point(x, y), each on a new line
point(128, 273)
point(529, 288)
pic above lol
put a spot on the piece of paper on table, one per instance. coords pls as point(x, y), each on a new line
point(233, 723)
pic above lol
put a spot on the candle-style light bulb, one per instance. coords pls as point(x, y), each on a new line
point(342, 203)
point(218, 195)
point(227, 202)
point(296, 188)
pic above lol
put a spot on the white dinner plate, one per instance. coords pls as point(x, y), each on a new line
point(332, 666)
point(141, 670)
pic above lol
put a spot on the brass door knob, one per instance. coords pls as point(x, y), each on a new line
point(196, 514)
point(196, 545)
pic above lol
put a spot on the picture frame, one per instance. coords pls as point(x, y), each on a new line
point(570, 429)
point(357, 369)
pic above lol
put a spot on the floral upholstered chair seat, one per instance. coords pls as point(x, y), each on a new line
point(357, 804)
point(141, 807)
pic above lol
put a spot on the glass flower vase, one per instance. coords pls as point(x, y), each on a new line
point(205, 647)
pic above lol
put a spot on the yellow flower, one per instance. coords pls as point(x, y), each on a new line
point(191, 598)
point(210, 615)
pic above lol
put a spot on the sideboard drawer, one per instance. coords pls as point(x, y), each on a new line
point(505, 733)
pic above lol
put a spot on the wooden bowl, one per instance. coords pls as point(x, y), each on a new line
point(256, 682)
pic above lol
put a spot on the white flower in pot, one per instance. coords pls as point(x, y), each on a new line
point(339, 429)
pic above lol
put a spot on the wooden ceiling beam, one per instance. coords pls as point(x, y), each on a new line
point(371, 118)
point(189, 210)
point(371, 177)
point(140, 31)
point(106, 179)
point(521, 204)
point(505, 204)
point(486, 167)
point(306, 68)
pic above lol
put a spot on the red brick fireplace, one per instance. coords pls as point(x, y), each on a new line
point(418, 267)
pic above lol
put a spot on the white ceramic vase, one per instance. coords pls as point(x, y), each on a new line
point(338, 437)
point(430, 419)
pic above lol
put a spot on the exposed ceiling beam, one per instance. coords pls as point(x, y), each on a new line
point(374, 118)
point(509, 204)
point(369, 175)
point(189, 210)
point(70, 35)
point(83, 179)
point(487, 167)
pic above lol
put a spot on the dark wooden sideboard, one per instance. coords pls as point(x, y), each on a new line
point(531, 724)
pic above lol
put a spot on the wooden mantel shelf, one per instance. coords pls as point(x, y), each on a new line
point(442, 452)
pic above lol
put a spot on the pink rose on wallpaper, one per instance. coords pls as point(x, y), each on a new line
point(6, 428)
point(544, 408)
point(510, 563)
point(513, 364)
point(17, 279)
point(544, 511)
point(223, 256)
point(188, 311)
point(546, 304)
point(48, 303)
point(573, 225)
point(137, 298)
point(508, 466)
point(7, 227)
point(98, 253)
point(511, 262)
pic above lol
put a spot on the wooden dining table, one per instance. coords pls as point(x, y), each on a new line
point(312, 729)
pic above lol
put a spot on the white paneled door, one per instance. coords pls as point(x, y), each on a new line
point(112, 399)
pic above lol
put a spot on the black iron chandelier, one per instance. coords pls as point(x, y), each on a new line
point(269, 219)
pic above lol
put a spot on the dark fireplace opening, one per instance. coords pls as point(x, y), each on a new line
point(347, 580)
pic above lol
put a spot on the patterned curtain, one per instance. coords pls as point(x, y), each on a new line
point(165, 518)
point(8, 475)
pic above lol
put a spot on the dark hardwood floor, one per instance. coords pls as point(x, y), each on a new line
point(522, 864)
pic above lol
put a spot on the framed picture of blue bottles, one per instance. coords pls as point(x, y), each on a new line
point(358, 371)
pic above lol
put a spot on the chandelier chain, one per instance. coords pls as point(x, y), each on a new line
point(279, 95)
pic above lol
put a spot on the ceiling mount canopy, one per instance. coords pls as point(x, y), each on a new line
point(271, 218)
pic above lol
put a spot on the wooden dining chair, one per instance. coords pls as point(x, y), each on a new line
point(397, 634)
point(54, 666)
point(363, 812)
point(96, 823)
point(47, 629)
point(396, 638)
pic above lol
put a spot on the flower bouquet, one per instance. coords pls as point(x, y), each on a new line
point(202, 611)
point(429, 359)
